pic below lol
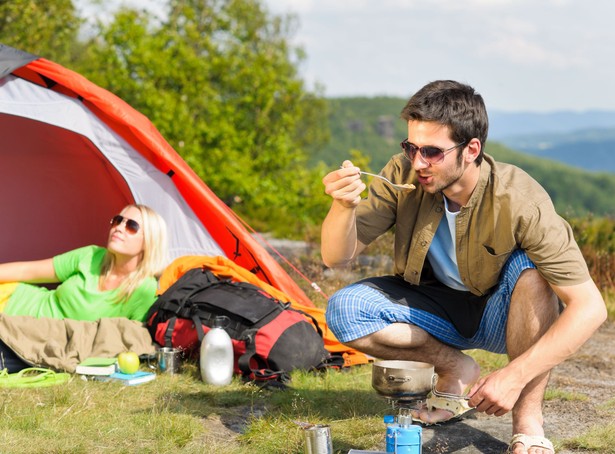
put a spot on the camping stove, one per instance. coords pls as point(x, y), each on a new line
point(406, 402)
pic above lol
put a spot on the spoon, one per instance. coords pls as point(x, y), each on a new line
point(400, 187)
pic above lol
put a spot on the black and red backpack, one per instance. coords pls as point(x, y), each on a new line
point(269, 337)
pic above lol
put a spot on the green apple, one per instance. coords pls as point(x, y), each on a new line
point(128, 362)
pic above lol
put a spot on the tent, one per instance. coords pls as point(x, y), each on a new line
point(73, 154)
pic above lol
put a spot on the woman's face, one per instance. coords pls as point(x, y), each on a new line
point(126, 233)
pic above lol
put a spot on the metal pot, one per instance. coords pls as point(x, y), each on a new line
point(402, 379)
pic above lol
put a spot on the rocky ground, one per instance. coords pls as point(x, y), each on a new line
point(590, 373)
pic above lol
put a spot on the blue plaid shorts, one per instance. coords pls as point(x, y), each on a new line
point(359, 310)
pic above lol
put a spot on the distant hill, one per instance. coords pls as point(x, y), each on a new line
point(373, 126)
point(591, 149)
point(504, 125)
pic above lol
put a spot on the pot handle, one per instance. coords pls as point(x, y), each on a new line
point(394, 379)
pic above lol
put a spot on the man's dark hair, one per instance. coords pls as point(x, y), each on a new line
point(452, 104)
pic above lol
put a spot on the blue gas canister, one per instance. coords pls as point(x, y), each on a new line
point(404, 439)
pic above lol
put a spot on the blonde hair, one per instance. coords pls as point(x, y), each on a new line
point(155, 253)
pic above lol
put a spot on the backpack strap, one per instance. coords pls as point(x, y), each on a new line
point(256, 374)
point(168, 333)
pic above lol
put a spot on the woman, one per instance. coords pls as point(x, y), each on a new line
point(95, 282)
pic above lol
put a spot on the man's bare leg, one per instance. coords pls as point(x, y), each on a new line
point(533, 309)
point(456, 370)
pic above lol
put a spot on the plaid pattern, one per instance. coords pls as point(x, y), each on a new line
point(358, 310)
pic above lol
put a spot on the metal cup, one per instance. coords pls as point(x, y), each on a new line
point(169, 360)
point(318, 439)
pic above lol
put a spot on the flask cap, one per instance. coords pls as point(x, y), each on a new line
point(221, 321)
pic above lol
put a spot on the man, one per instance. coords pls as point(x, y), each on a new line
point(481, 261)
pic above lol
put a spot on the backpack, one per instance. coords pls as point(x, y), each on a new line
point(269, 337)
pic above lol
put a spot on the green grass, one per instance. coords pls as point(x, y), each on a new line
point(176, 414)
point(182, 414)
point(599, 439)
point(559, 394)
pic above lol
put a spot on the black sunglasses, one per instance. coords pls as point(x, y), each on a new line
point(132, 226)
point(429, 154)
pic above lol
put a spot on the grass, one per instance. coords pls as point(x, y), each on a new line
point(182, 414)
point(599, 439)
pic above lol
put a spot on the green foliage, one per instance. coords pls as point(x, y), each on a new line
point(372, 125)
point(596, 238)
point(44, 28)
point(219, 80)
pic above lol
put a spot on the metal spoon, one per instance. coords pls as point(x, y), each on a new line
point(400, 187)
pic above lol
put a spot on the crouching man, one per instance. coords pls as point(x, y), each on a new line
point(482, 261)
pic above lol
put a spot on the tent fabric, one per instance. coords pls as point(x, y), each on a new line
point(74, 154)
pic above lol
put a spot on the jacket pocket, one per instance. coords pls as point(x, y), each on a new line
point(493, 258)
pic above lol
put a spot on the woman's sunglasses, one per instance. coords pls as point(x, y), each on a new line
point(132, 226)
point(429, 154)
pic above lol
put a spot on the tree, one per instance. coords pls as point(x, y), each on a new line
point(219, 80)
point(44, 28)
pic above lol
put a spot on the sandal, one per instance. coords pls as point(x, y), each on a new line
point(453, 403)
point(32, 377)
point(530, 441)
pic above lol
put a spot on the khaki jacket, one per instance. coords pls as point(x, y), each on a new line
point(508, 210)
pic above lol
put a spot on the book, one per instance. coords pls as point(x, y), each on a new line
point(132, 379)
point(97, 366)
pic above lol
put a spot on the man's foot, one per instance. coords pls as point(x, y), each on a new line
point(522, 444)
point(454, 383)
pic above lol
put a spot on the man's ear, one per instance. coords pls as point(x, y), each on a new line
point(472, 150)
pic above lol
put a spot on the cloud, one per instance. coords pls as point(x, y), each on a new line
point(528, 53)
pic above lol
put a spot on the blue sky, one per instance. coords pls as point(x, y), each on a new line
point(521, 55)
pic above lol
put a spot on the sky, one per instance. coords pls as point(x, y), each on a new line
point(521, 55)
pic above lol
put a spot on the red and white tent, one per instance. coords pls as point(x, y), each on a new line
point(72, 155)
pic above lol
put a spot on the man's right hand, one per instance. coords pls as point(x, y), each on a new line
point(344, 185)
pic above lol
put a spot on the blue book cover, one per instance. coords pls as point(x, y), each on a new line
point(133, 379)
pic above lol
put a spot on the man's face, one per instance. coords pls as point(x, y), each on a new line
point(441, 176)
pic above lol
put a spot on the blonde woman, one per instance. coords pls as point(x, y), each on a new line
point(95, 282)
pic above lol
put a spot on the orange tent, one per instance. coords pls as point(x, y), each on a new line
point(73, 154)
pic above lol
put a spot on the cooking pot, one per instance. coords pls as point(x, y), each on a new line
point(402, 379)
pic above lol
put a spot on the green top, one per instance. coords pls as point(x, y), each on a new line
point(78, 296)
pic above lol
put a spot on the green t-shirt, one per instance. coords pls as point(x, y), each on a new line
point(78, 296)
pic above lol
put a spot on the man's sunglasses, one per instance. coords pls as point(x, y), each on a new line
point(132, 226)
point(429, 154)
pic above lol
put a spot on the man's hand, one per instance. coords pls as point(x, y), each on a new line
point(496, 393)
point(345, 185)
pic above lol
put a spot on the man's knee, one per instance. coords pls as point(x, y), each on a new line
point(534, 291)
